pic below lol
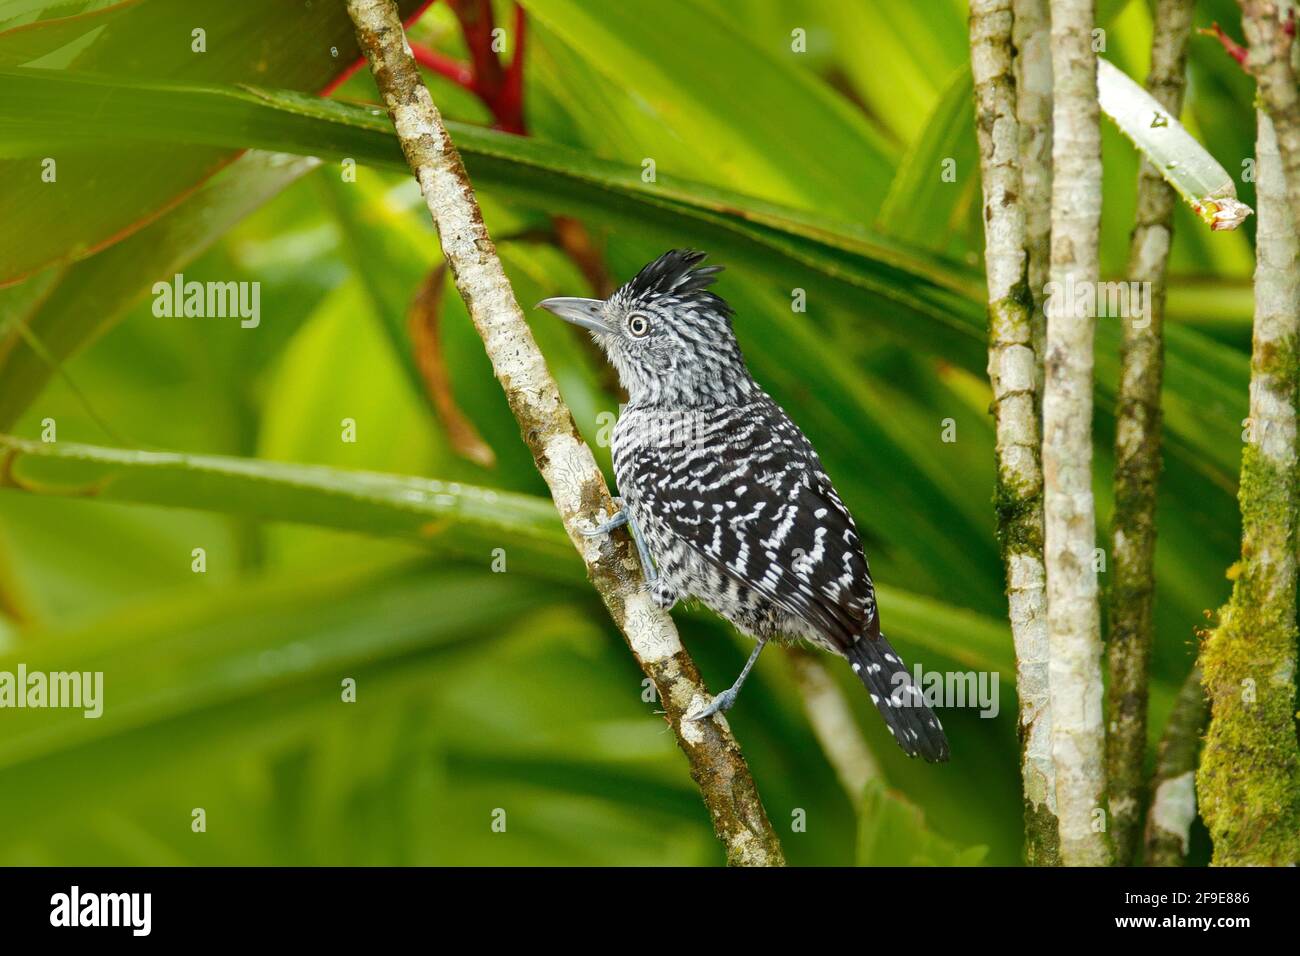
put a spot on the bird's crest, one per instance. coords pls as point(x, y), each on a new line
point(676, 273)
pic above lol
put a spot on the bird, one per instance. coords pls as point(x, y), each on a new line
point(726, 498)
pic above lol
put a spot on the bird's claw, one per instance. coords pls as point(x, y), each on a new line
point(720, 705)
point(624, 517)
point(619, 519)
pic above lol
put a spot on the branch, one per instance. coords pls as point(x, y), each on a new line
point(1073, 618)
point(1012, 374)
point(1033, 69)
point(360, 61)
point(1137, 454)
point(1249, 781)
point(564, 460)
point(1173, 786)
point(1269, 26)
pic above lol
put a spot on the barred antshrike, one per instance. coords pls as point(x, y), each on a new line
point(725, 497)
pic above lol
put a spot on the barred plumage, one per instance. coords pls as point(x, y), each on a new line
point(730, 497)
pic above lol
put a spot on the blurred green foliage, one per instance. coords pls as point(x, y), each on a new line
point(479, 690)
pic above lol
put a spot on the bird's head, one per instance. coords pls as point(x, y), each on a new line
point(668, 336)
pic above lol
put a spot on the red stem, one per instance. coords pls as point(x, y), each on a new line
point(1234, 49)
point(477, 23)
point(500, 90)
point(510, 115)
point(454, 70)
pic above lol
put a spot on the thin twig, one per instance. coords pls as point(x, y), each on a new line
point(1073, 617)
point(833, 723)
point(1012, 373)
point(564, 460)
point(424, 324)
point(503, 94)
point(1230, 46)
point(1137, 454)
point(1173, 787)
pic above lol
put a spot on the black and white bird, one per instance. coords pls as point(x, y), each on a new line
point(726, 498)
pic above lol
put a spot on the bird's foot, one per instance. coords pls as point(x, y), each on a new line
point(720, 705)
point(621, 517)
point(624, 517)
point(723, 702)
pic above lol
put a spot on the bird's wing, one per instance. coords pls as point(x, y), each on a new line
point(756, 505)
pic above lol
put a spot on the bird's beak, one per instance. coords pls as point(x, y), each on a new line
point(583, 312)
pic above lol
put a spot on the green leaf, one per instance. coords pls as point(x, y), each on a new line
point(190, 655)
point(892, 832)
point(923, 206)
point(1184, 163)
point(88, 297)
point(379, 250)
point(462, 519)
point(721, 132)
point(36, 15)
point(931, 306)
point(887, 287)
point(463, 694)
point(458, 518)
point(898, 286)
point(974, 641)
point(109, 185)
point(30, 31)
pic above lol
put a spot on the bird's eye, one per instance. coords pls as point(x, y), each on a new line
point(638, 325)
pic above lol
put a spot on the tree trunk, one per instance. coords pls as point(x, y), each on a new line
point(1249, 780)
point(1073, 625)
point(1012, 374)
point(1137, 455)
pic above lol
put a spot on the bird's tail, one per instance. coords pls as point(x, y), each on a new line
point(898, 699)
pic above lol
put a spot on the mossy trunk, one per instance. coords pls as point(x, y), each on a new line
point(1249, 780)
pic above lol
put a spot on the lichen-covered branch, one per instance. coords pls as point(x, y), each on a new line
point(1031, 38)
point(1270, 28)
point(1173, 787)
point(1012, 373)
point(564, 460)
point(1073, 624)
point(1137, 454)
point(1249, 781)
